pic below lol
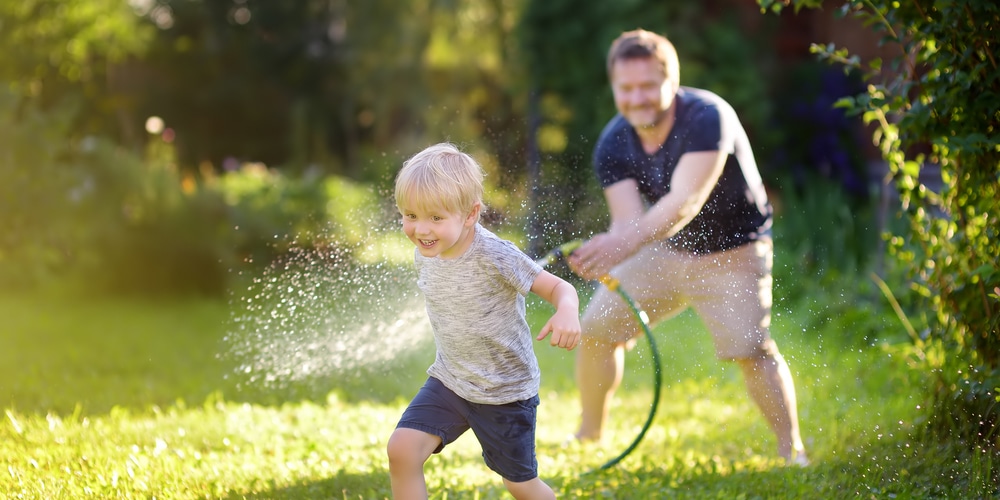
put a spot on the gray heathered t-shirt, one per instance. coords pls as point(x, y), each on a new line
point(476, 308)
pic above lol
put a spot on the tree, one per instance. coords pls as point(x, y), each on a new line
point(940, 107)
point(344, 86)
point(63, 51)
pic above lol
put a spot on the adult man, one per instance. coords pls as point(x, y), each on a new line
point(689, 226)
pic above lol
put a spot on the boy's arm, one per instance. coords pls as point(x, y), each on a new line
point(564, 325)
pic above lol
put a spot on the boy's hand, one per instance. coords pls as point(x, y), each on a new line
point(564, 326)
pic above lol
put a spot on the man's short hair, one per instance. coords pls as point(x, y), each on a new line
point(642, 44)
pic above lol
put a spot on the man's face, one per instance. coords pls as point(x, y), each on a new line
point(642, 91)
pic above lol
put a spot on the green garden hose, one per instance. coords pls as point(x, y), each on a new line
point(613, 285)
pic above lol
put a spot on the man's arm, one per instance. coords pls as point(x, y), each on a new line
point(696, 176)
point(693, 180)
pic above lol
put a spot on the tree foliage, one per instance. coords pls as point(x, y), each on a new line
point(310, 89)
point(938, 105)
point(329, 84)
point(63, 51)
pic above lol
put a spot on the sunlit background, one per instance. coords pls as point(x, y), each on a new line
point(196, 203)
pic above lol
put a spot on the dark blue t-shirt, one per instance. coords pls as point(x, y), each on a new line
point(737, 211)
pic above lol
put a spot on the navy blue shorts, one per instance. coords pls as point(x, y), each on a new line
point(505, 432)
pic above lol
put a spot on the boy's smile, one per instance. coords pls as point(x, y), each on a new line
point(438, 232)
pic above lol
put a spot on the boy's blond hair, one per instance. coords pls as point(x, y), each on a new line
point(440, 177)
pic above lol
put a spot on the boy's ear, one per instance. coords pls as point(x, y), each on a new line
point(474, 214)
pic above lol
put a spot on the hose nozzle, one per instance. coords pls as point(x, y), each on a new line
point(610, 281)
point(558, 253)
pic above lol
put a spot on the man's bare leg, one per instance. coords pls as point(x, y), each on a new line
point(769, 382)
point(599, 368)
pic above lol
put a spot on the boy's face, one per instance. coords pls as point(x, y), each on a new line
point(642, 91)
point(438, 232)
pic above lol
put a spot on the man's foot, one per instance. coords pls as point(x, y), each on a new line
point(799, 459)
point(586, 438)
point(576, 440)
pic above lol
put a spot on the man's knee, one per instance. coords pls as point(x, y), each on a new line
point(764, 351)
point(600, 343)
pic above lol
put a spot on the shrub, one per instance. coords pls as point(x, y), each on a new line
point(107, 219)
point(38, 194)
point(942, 108)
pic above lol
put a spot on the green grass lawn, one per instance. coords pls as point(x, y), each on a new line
point(144, 399)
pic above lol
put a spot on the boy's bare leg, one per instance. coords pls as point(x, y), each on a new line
point(408, 449)
point(534, 489)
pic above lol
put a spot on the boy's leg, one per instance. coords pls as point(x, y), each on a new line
point(507, 434)
point(408, 449)
point(532, 489)
point(432, 420)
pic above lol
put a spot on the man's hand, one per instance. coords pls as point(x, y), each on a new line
point(596, 257)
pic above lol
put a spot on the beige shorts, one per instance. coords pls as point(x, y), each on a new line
point(730, 291)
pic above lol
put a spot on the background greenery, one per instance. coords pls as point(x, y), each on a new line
point(151, 144)
point(193, 193)
point(937, 116)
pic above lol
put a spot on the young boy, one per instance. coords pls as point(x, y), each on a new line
point(485, 375)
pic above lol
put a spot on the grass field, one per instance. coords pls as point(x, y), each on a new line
point(132, 398)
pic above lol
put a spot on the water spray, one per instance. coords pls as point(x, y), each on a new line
point(612, 284)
